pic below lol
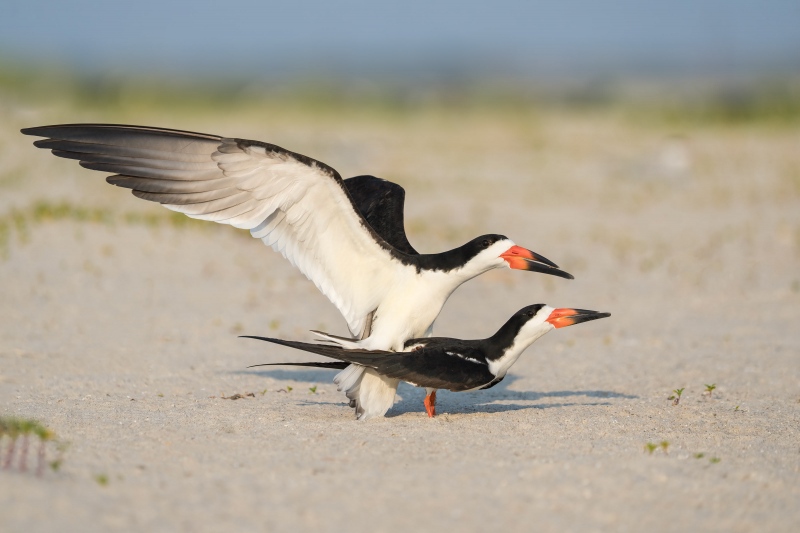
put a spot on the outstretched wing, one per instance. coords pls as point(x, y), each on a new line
point(455, 367)
point(381, 202)
point(295, 204)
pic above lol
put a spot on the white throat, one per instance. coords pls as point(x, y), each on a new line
point(528, 334)
point(486, 260)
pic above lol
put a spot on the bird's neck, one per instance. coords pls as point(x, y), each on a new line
point(508, 344)
point(456, 264)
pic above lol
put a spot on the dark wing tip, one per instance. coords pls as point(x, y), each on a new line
point(47, 131)
point(38, 131)
point(313, 364)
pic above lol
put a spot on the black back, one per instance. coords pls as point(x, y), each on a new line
point(381, 203)
point(442, 363)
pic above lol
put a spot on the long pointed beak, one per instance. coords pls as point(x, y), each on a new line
point(520, 258)
point(561, 318)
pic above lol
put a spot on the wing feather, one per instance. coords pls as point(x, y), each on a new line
point(381, 202)
point(174, 186)
point(297, 205)
point(432, 366)
point(71, 149)
point(207, 173)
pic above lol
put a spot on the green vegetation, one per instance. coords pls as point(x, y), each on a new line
point(676, 398)
point(650, 447)
point(774, 101)
point(710, 389)
point(19, 222)
point(19, 431)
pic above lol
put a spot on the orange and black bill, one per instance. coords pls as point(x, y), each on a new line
point(520, 258)
point(561, 318)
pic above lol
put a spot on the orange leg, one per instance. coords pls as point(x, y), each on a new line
point(430, 404)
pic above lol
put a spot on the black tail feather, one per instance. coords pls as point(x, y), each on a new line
point(362, 357)
point(339, 365)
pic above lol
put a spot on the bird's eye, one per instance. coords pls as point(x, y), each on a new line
point(486, 243)
point(530, 313)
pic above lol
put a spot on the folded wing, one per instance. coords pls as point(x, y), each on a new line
point(434, 365)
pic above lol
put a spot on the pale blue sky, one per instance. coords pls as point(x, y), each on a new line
point(515, 37)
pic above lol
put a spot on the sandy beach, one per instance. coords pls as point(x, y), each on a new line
point(119, 327)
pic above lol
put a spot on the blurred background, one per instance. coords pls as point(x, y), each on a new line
point(649, 147)
point(657, 133)
point(723, 60)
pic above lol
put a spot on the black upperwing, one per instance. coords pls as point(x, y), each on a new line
point(381, 203)
point(439, 364)
point(361, 357)
point(338, 365)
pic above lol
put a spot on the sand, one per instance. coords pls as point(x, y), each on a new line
point(118, 330)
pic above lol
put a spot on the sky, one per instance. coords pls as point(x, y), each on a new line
point(448, 37)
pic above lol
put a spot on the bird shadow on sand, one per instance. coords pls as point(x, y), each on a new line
point(462, 402)
point(311, 375)
point(483, 401)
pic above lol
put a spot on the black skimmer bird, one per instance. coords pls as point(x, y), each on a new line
point(346, 236)
point(452, 364)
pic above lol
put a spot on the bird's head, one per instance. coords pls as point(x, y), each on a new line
point(535, 320)
point(527, 325)
point(498, 251)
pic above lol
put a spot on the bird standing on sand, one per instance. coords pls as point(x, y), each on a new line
point(303, 209)
point(453, 364)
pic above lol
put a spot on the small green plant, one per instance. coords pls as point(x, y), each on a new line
point(288, 388)
point(714, 460)
point(26, 427)
point(9, 427)
point(650, 447)
point(699, 455)
point(101, 479)
point(676, 399)
point(17, 429)
point(263, 392)
point(710, 389)
point(313, 389)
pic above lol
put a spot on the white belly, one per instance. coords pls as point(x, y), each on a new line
point(408, 312)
